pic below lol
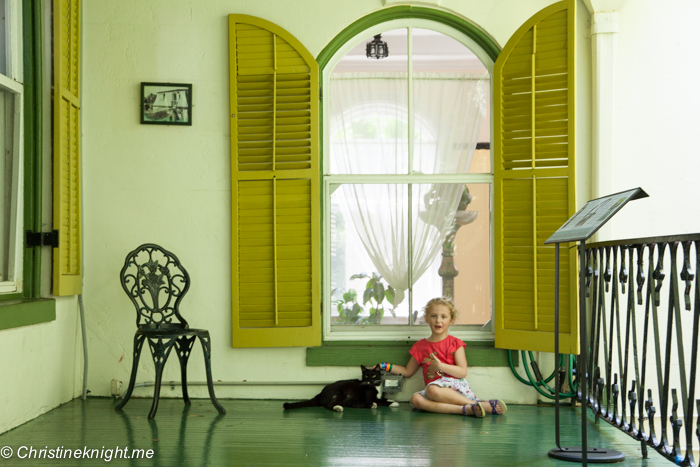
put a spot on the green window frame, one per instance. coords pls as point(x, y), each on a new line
point(27, 307)
point(410, 18)
point(361, 351)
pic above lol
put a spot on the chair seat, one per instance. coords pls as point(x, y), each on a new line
point(171, 332)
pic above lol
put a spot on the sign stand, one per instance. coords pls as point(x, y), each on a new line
point(579, 228)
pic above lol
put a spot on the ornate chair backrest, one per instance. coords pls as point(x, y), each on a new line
point(155, 281)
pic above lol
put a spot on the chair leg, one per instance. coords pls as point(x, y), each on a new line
point(183, 348)
point(160, 351)
point(206, 348)
point(138, 343)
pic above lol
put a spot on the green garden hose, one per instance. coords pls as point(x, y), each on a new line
point(540, 383)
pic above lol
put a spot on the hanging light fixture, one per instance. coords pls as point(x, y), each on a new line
point(377, 48)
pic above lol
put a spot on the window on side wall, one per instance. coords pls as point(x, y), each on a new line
point(407, 184)
point(11, 159)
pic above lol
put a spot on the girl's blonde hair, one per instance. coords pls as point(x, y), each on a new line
point(441, 301)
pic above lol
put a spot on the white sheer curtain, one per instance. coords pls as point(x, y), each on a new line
point(369, 135)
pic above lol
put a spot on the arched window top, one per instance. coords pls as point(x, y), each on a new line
point(401, 16)
point(431, 43)
point(435, 76)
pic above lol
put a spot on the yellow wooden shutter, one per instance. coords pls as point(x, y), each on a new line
point(67, 273)
point(534, 181)
point(274, 187)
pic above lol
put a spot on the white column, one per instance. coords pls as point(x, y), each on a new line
point(604, 29)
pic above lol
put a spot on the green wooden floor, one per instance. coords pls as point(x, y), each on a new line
point(256, 433)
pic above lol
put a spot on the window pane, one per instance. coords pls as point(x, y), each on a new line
point(450, 104)
point(369, 110)
point(369, 256)
point(8, 187)
point(436, 52)
point(481, 163)
point(434, 207)
point(462, 268)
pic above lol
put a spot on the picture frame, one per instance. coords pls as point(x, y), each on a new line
point(166, 104)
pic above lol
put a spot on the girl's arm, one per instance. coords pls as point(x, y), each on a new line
point(406, 371)
point(458, 370)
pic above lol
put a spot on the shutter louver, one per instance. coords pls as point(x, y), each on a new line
point(535, 181)
point(275, 180)
point(67, 274)
point(274, 102)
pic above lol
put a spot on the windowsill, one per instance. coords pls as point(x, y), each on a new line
point(26, 311)
point(356, 353)
point(477, 335)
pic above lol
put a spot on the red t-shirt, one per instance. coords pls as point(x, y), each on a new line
point(445, 352)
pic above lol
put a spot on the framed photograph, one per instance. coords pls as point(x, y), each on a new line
point(166, 104)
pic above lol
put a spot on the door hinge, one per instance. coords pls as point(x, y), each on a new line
point(42, 239)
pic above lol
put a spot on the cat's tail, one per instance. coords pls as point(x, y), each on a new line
point(298, 405)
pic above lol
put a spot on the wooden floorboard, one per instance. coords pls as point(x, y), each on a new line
point(260, 433)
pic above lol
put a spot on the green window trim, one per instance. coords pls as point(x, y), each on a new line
point(356, 353)
point(27, 311)
point(26, 308)
point(485, 41)
point(33, 133)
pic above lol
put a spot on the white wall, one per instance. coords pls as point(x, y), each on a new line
point(656, 118)
point(42, 366)
point(171, 185)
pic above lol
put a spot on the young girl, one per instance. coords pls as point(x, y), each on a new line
point(444, 368)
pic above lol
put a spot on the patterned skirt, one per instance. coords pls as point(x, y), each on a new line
point(459, 385)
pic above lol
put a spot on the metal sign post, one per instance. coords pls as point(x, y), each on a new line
point(579, 228)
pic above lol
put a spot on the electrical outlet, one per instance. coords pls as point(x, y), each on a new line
point(116, 388)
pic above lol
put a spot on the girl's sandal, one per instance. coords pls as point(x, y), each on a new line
point(480, 414)
point(496, 402)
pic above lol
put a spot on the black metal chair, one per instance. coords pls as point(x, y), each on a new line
point(156, 282)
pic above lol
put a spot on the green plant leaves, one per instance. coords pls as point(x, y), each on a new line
point(367, 296)
point(375, 293)
point(390, 294)
point(356, 311)
point(349, 310)
point(375, 315)
point(379, 293)
point(362, 275)
point(350, 296)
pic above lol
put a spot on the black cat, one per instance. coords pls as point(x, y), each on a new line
point(355, 393)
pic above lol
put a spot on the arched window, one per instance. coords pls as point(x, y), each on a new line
point(408, 177)
point(410, 187)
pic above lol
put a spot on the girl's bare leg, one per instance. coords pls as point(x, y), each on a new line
point(447, 395)
point(450, 396)
point(427, 405)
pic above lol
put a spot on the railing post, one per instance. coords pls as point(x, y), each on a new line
point(689, 275)
point(596, 313)
point(584, 351)
point(651, 411)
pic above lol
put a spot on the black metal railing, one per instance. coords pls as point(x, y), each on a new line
point(643, 308)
